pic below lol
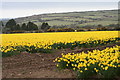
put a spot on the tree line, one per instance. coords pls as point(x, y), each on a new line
point(11, 25)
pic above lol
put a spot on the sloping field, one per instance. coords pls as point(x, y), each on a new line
point(78, 18)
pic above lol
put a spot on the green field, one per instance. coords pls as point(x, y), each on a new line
point(104, 23)
point(81, 19)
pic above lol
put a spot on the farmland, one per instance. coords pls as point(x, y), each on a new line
point(43, 50)
point(73, 19)
point(60, 40)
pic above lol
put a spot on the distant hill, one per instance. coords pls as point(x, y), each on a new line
point(73, 19)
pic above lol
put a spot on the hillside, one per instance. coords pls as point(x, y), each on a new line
point(74, 19)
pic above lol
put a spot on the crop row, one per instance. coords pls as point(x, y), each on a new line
point(37, 48)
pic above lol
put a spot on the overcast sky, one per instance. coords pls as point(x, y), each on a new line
point(60, 0)
point(22, 9)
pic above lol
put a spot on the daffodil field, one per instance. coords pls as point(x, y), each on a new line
point(13, 44)
point(101, 63)
point(105, 63)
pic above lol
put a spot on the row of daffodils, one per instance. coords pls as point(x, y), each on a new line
point(46, 42)
point(103, 64)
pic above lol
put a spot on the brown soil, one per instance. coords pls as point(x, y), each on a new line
point(38, 65)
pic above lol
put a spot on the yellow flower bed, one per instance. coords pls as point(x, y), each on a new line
point(99, 62)
point(50, 38)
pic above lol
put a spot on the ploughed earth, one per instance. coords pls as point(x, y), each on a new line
point(39, 65)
